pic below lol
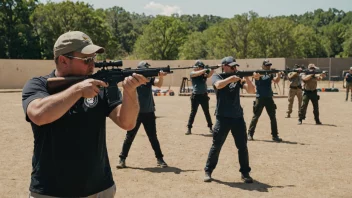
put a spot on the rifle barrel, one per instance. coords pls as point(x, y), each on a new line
point(177, 68)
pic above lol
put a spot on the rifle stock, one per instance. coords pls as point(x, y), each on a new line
point(58, 84)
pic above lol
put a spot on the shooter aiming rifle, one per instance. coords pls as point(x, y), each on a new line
point(111, 76)
point(243, 73)
point(311, 72)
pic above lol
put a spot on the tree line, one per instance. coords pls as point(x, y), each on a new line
point(29, 29)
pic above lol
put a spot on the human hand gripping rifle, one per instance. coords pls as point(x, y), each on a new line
point(111, 76)
point(208, 68)
point(312, 72)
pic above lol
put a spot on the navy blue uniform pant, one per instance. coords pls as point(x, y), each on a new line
point(222, 127)
point(148, 120)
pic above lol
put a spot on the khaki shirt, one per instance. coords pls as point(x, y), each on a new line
point(295, 81)
point(311, 84)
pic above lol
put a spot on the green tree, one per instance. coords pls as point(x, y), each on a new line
point(260, 38)
point(17, 39)
point(53, 19)
point(216, 42)
point(194, 47)
point(347, 44)
point(122, 28)
point(332, 39)
point(306, 42)
point(161, 39)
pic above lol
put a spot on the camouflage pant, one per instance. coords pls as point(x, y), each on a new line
point(312, 96)
point(291, 97)
point(348, 88)
point(258, 107)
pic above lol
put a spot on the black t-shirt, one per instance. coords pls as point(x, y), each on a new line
point(145, 97)
point(264, 86)
point(349, 77)
point(70, 157)
point(199, 84)
point(228, 99)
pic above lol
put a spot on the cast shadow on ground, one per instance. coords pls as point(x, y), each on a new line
point(332, 125)
point(255, 186)
point(204, 135)
point(282, 142)
point(159, 117)
point(169, 169)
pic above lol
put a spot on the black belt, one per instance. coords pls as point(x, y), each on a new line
point(200, 94)
point(296, 87)
point(310, 91)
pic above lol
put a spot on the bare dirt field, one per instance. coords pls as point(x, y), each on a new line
point(312, 161)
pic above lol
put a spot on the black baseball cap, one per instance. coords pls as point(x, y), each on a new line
point(143, 64)
point(266, 62)
point(229, 60)
point(199, 64)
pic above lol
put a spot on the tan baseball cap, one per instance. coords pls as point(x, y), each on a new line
point(75, 41)
point(312, 66)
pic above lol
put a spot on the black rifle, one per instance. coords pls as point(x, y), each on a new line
point(211, 67)
point(192, 67)
point(243, 73)
point(111, 76)
point(308, 72)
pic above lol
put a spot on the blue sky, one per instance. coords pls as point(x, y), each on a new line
point(223, 8)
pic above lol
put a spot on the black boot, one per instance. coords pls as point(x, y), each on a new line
point(122, 163)
point(277, 139)
point(188, 132)
point(250, 137)
point(246, 178)
point(207, 177)
point(299, 121)
point(161, 163)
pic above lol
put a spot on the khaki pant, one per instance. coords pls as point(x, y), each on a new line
point(108, 193)
point(291, 97)
point(348, 88)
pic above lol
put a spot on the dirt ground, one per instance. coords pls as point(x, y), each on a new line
point(312, 161)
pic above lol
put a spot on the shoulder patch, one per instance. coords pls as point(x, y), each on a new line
point(91, 102)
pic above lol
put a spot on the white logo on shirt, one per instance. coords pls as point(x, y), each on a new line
point(232, 85)
point(265, 77)
point(91, 102)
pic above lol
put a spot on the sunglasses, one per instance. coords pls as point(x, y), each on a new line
point(86, 60)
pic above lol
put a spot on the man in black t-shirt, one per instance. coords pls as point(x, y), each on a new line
point(199, 96)
point(147, 117)
point(70, 156)
point(229, 116)
point(264, 98)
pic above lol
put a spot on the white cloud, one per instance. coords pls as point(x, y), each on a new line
point(163, 9)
